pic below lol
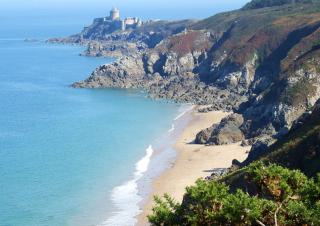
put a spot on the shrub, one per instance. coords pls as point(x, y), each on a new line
point(285, 197)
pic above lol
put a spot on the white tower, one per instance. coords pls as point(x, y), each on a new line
point(115, 14)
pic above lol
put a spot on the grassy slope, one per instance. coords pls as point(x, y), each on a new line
point(259, 30)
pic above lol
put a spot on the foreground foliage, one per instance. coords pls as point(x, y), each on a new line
point(283, 197)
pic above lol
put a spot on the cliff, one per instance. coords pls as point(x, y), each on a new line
point(263, 63)
point(260, 62)
point(281, 189)
point(299, 149)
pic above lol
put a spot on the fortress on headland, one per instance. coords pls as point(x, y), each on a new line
point(116, 23)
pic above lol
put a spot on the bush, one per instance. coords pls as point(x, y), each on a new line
point(285, 197)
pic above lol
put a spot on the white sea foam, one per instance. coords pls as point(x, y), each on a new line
point(126, 197)
point(185, 110)
point(171, 129)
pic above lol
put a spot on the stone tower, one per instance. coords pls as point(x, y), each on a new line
point(115, 14)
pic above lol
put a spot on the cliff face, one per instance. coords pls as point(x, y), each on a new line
point(263, 63)
point(300, 148)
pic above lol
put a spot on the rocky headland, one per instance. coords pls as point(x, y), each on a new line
point(261, 62)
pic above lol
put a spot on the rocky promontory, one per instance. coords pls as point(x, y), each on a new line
point(262, 63)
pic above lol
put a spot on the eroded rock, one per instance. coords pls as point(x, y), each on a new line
point(227, 132)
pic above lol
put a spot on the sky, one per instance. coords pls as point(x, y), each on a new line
point(147, 9)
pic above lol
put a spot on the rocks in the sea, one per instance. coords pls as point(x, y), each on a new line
point(113, 48)
point(227, 132)
point(147, 72)
point(165, 71)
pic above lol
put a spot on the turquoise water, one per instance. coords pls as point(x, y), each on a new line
point(64, 150)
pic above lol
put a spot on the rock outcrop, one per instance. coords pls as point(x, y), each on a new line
point(261, 63)
point(227, 132)
point(299, 149)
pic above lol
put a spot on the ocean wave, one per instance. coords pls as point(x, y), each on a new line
point(171, 129)
point(126, 197)
point(184, 111)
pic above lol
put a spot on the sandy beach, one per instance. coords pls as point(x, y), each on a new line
point(193, 161)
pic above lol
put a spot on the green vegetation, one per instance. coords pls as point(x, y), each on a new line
point(286, 40)
point(256, 4)
point(316, 43)
point(300, 149)
point(244, 33)
point(299, 93)
point(283, 197)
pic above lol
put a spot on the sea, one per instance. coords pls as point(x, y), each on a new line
point(70, 156)
point(73, 157)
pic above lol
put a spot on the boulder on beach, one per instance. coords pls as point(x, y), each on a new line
point(227, 132)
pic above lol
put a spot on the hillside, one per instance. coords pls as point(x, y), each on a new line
point(278, 196)
point(260, 193)
point(150, 33)
point(300, 148)
point(104, 40)
point(262, 62)
point(256, 4)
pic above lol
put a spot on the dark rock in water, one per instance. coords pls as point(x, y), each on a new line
point(226, 132)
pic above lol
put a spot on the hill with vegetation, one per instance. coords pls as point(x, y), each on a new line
point(277, 43)
point(300, 148)
point(281, 188)
point(281, 197)
point(261, 62)
point(256, 4)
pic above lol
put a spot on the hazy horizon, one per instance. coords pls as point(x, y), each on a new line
point(85, 10)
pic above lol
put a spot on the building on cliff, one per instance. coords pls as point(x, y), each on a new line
point(115, 23)
point(114, 14)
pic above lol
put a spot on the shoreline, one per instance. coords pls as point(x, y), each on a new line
point(192, 161)
point(144, 186)
point(127, 197)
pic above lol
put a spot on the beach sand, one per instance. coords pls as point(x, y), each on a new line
point(193, 161)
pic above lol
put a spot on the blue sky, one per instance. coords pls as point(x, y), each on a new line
point(174, 9)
